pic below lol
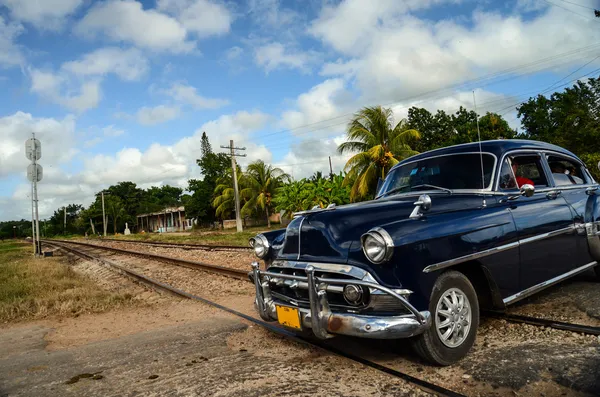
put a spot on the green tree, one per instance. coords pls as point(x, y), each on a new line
point(570, 119)
point(293, 197)
point(214, 166)
point(261, 182)
point(58, 218)
point(199, 203)
point(380, 145)
point(224, 196)
point(115, 210)
point(441, 130)
point(130, 196)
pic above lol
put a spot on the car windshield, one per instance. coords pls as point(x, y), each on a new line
point(444, 173)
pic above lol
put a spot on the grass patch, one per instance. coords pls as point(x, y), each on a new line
point(33, 288)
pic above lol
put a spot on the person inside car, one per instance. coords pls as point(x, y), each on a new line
point(521, 180)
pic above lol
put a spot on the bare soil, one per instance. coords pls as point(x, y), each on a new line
point(508, 359)
point(232, 259)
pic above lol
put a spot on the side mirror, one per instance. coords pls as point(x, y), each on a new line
point(527, 190)
point(421, 206)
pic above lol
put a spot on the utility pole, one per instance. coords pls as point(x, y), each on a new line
point(33, 222)
point(65, 221)
point(103, 215)
point(330, 168)
point(233, 154)
point(33, 151)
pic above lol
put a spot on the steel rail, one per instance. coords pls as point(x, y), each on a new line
point(157, 285)
point(543, 322)
point(222, 270)
point(181, 245)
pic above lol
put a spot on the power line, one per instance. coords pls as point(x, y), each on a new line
point(568, 9)
point(577, 4)
point(554, 85)
point(562, 85)
point(490, 76)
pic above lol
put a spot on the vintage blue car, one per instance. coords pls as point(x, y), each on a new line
point(450, 232)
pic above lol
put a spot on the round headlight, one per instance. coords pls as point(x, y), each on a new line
point(260, 245)
point(377, 245)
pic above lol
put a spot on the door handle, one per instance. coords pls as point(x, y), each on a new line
point(553, 194)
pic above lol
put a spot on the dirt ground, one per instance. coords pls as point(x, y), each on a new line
point(508, 359)
point(170, 346)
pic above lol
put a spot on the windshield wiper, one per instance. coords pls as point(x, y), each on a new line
point(394, 190)
point(433, 187)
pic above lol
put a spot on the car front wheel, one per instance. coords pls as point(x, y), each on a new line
point(455, 317)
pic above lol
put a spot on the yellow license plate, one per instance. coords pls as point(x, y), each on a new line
point(288, 316)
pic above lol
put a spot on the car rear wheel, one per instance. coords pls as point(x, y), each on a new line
point(455, 317)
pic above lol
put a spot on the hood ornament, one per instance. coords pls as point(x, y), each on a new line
point(315, 209)
point(422, 205)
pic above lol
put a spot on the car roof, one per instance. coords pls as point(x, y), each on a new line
point(497, 147)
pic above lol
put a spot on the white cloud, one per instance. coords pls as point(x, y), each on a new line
point(10, 53)
point(59, 89)
point(202, 17)
point(156, 115)
point(325, 101)
point(57, 137)
point(44, 14)
point(393, 56)
point(128, 64)
point(233, 53)
point(269, 14)
point(111, 132)
point(312, 155)
point(92, 142)
point(238, 126)
point(275, 55)
point(187, 94)
point(127, 21)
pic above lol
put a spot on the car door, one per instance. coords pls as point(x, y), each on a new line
point(570, 178)
point(544, 221)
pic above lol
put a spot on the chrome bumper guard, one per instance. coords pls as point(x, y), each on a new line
point(324, 323)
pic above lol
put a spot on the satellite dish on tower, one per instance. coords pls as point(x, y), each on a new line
point(33, 149)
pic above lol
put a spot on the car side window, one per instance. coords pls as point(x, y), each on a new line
point(528, 169)
point(507, 177)
point(566, 172)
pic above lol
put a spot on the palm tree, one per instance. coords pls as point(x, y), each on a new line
point(224, 201)
point(116, 209)
point(380, 145)
point(261, 182)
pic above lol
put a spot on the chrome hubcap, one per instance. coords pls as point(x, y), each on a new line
point(453, 317)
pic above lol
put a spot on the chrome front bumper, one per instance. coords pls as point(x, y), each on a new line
point(324, 323)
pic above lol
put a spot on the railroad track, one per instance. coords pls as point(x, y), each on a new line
point(163, 287)
point(543, 322)
point(187, 246)
point(243, 275)
point(222, 270)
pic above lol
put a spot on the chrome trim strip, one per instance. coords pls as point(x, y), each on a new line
point(477, 255)
point(495, 250)
point(542, 236)
point(353, 271)
point(299, 237)
point(548, 283)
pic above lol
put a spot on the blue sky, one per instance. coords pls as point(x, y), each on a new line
point(122, 89)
